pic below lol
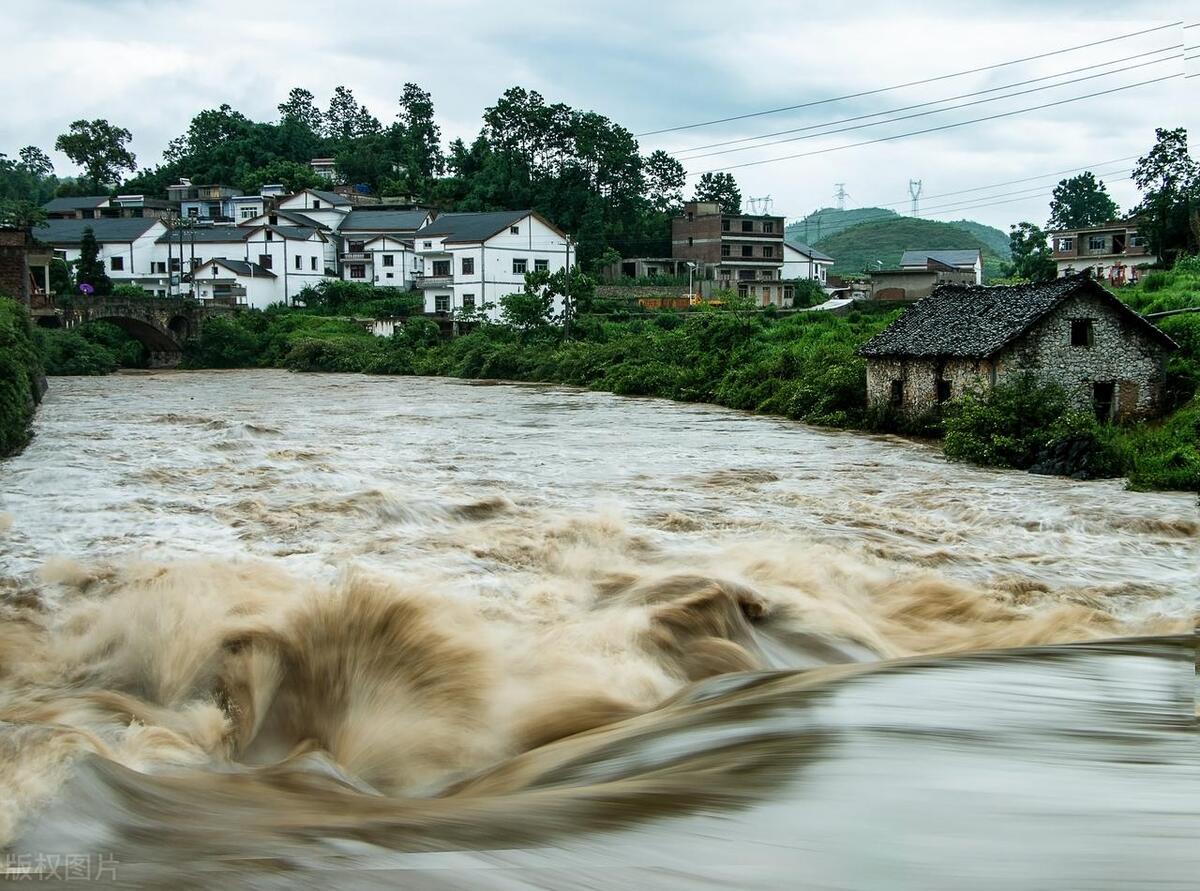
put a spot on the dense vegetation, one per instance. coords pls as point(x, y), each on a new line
point(21, 380)
point(866, 245)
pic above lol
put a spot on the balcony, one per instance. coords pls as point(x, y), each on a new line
point(433, 281)
point(356, 256)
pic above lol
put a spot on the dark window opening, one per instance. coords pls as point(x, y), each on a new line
point(747, 250)
point(1103, 398)
point(389, 260)
point(943, 390)
point(725, 225)
point(897, 395)
point(468, 265)
point(724, 250)
point(358, 270)
point(118, 263)
point(1081, 332)
point(441, 267)
point(747, 225)
point(264, 260)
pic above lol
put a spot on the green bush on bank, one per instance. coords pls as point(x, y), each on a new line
point(92, 348)
point(20, 376)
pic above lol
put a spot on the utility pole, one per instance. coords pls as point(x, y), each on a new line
point(914, 189)
point(841, 195)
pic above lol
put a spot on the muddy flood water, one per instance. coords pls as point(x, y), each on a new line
point(296, 631)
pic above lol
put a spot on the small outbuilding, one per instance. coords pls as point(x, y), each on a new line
point(1070, 332)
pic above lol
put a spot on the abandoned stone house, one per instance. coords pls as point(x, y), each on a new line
point(1070, 332)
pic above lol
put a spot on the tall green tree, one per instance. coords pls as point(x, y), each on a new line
point(35, 161)
point(90, 268)
point(721, 188)
point(346, 119)
point(665, 178)
point(1169, 179)
point(292, 175)
point(419, 139)
point(100, 148)
point(1031, 255)
point(1081, 201)
point(300, 108)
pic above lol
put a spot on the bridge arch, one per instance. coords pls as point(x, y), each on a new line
point(180, 327)
point(164, 349)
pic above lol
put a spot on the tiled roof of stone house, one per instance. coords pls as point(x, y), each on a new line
point(977, 321)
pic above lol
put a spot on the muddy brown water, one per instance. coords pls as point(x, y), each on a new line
point(273, 630)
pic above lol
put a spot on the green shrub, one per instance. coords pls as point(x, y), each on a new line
point(1004, 427)
point(1153, 282)
point(66, 352)
point(20, 376)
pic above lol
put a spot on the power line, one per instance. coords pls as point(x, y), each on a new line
point(915, 83)
point(1006, 114)
point(1013, 182)
point(860, 117)
point(921, 114)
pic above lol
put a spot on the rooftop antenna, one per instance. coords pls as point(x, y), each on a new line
point(841, 195)
point(914, 189)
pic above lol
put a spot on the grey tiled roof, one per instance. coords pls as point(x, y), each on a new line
point(974, 321)
point(458, 227)
point(205, 234)
point(809, 251)
point(241, 267)
point(81, 203)
point(105, 230)
point(331, 197)
point(372, 220)
point(950, 258)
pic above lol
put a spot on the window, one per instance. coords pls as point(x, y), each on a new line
point(117, 263)
point(468, 265)
point(358, 270)
point(747, 225)
point(316, 204)
point(389, 275)
point(468, 302)
point(175, 263)
point(264, 260)
point(390, 260)
point(743, 291)
point(441, 303)
point(768, 251)
point(725, 225)
point(746, 274)
point(691, 242)
point(520, 264)
point(747, 250)
point(159, 266)
point(193, 212)
point(1096, 242)
point(514, 230)
point(441, 267)
point(768, 227)
point(1081, 332)
point(896, 397)
point(1065, 244)
point(313, 263)
point(273, 219)
point(943, 389)
point(299, 262)
point(1104, 400)
point(725, 250)
point(248, 213)
point(355, 247)
point(541, 265)
point(270, 235)
point(426, 245)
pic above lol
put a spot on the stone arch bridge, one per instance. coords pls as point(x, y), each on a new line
point(161, 324)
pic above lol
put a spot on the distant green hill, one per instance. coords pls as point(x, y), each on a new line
point(857, 238)
point(867, 245)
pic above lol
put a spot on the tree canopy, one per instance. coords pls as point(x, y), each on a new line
point(99, 148)
point(721, 188)
point(1081, 201)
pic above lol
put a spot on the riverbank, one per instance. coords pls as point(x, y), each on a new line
point(22, 381)
point(800, 366)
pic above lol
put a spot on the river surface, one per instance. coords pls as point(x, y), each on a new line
point(283, 630)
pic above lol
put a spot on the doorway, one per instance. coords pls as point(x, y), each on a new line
point(1103, 398)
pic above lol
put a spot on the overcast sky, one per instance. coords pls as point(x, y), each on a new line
point(149, 66)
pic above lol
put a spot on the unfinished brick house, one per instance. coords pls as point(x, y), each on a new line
point(1070, 332)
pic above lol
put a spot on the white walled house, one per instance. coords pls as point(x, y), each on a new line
point(470, 260)
point(327, 208)
point(247, 207)
point(295, 254)
point(384, 261)
point(803, 262)
point(128, 247)
point(235, 281)
point(277, 217)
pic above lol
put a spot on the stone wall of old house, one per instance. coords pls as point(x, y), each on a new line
point(14, 265)
point(1121, 352)
point(919, 380)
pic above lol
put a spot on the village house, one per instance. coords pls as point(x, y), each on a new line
point(383, 261)
point(916, 283)
point(235, 282)
point(803, 262)
point(25, 268)
point(1071, 332)
point(329, 209)
point(213, 203)
point(971, 260)
point(128, 248)
point(742, 251)
point(471, 260)
point(95, 207)
point(1113, 251)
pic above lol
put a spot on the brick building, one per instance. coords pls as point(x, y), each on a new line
point(1070, 332)
point(1112, 251)
point(24, 268)
point(737, 251)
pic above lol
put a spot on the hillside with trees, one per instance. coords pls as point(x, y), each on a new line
point(872, 245)
point(829, 221)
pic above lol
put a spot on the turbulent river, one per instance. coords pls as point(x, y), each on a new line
point(272, 630)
